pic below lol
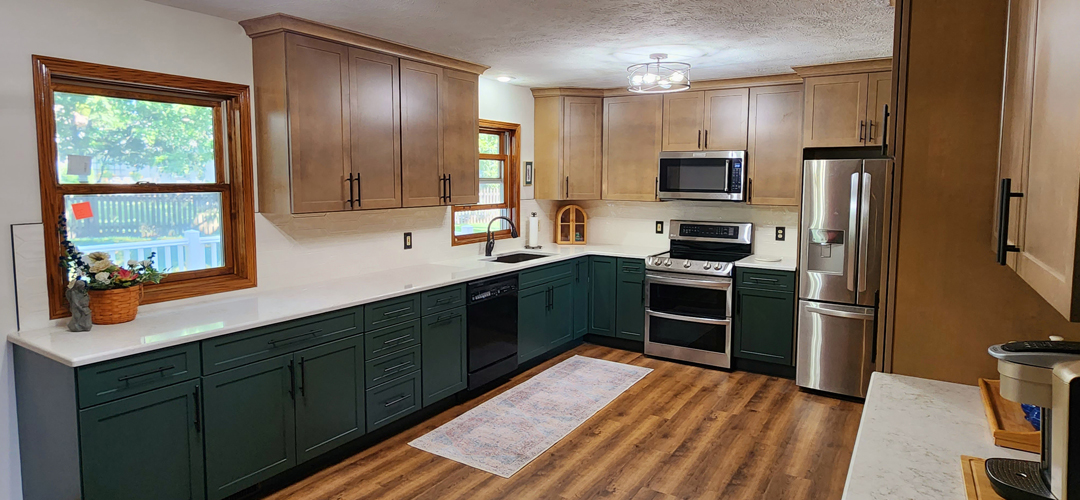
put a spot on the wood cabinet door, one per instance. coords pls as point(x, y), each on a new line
point(765, 325)
point(460, 119)
point(727, 113)
point(602, 286)
point(330, 396)
point(775, 145)
point(421, 135)
point(1048, 242)
point(633, 132)
point(583, 160)
point(549, 183)
point(684, 121)
point(144, 446)
point(376, 129)
point(249, 425)
point(835, 111)
point(879, 91)
point(317, 77)
point(444, 354)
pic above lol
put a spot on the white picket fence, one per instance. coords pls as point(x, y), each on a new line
point(191, 253)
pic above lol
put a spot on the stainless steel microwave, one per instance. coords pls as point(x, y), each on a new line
point(702, 175)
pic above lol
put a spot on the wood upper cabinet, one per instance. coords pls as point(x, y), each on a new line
point(633, 128)
point(774, 155)
point(845, 110)
point(568, 142)
point(376, 129)
point(317, 77)
point(460, 122)
point(421, 135)
point(1039, 150)
point(684, 121)
point(727, 113)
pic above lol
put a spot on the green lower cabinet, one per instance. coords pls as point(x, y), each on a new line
point(630, 300)
point(393, 400)
point(330, 396)
point(444, 355)
point(581, 297)
point(532, 318)
point(249, 425)
point(144, 446)
point(764, 325)
point(603, 279)
point(560, 316)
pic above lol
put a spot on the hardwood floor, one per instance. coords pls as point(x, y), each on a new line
point(681, 432)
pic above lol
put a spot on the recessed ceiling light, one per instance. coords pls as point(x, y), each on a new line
point(505, 79)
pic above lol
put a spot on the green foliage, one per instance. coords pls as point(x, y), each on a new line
point(125, 136)
point(489, 144)
point(490, 169)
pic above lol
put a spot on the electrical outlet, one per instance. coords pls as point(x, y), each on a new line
point(780, 233)
point(659, 227)
point(408, 241)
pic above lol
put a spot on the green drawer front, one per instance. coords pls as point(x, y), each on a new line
point(242, 348)
point(391, 339)
point(630, 269)
point(436, 301)
point(119, 378)
point(391, 311)
point(393, 365)
point(765, 279)
point(545, 274)
point(393, 400)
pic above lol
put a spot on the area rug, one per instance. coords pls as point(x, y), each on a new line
point(505, 433)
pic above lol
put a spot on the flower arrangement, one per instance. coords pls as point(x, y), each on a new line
point(98, 270)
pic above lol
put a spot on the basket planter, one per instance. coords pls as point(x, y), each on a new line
point(119, 305)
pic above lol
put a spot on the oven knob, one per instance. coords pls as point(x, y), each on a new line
point(687, 264)
point(667, 262)
point(708, 265)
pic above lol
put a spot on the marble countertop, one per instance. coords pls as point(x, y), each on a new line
point(179, 322)
point(786, 262)
point(911, 436)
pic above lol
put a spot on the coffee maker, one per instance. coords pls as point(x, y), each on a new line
point(1045, 374)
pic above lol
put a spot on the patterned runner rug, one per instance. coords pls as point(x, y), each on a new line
point(505, 433)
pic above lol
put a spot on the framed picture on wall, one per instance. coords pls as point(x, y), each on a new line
point(528, 173)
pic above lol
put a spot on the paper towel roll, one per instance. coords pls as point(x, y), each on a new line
point(533, 238)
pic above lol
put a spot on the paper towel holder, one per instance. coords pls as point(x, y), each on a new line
point(570, 226)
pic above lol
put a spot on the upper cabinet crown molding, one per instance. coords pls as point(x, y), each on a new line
point(845, 68)
point(277, 23)
point(567, 92)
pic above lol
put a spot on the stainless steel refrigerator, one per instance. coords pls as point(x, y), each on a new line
point(845, 213)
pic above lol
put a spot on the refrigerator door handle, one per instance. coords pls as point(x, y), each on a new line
point(853, 212)
point(837, 313)
point(864, 229)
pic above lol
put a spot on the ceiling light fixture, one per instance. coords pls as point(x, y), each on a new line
point(505, 79)
point(658, 77)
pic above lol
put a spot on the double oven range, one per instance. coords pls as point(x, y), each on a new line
point(688, 292)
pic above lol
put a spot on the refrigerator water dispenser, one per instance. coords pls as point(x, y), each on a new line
point(826, 251)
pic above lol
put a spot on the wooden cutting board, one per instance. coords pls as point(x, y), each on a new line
point(975, 481)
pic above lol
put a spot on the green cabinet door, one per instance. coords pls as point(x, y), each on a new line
point(144, 446)
point(581, 297)
point(329, 396)
point(602, 292)
point(630, 300)
point(444, 354)
point(249, 425)
point(533, 339)
point(764, 325)
point(560, 314)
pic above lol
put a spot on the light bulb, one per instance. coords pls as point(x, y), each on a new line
point(650, 78)
point(636, 79)
point(664, 81)
point(505, 79)
point(677, 76)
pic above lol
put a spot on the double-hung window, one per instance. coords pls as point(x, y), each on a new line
point(499, 194)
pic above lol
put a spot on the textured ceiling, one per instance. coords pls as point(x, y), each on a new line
point(590, 42)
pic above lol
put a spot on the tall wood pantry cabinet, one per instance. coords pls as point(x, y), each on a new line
point(568, 148)
point(348, 122)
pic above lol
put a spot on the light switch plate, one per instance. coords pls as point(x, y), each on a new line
point(659, 227)
point(408, 241)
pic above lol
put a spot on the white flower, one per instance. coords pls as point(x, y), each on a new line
point(99, 256)
point(133, 263)
point(147, 263)
point(100, 266)
point(102, 277)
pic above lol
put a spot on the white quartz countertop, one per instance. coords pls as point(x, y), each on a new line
point(772, 262)
point(912, 434)
point(173, 323)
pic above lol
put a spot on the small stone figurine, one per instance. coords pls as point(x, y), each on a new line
point(79, 302)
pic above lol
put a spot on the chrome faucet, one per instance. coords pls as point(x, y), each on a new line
point(491, 240)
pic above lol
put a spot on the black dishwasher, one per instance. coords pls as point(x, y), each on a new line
point(492, 319)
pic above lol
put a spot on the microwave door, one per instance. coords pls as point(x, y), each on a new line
point(830, 219)
point(873, 217)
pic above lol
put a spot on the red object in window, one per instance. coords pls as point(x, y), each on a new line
point(82, 210)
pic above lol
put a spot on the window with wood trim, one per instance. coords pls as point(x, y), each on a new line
point(499, 192)
point(143, 164)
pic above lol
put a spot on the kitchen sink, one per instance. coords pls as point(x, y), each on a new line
point(513, 258)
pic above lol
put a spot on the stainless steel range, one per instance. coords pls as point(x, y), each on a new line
point(688, 291)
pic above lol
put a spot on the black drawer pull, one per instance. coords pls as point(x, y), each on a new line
point(767, 280)
point(394, 340)
point(155, 371)
point(395, 311)
point(395, 401)
point(289, 340)
point(444, 300)
point(442, 319)
point(397, 366)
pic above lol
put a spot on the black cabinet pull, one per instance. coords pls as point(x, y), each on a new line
point(395, 311)
point(862, 131)
point(289, 340)
point(749, 190)
point(396, 339)
point(292, 379)
point(397, 367)
point(706, 138)
point(870, 138)
point(442, 189)
point(303, 377)
point(567, 188)
point(885, 131)
point(198, 409)
point(352, 194)
point(767, 280)
point(1005, 196)
point(449, 189)
point(359, 196)
point(395, 401)
point(699, 138)
point(155, 371)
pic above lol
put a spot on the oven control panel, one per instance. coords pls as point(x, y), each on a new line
point(709, 231)
point(715, 232)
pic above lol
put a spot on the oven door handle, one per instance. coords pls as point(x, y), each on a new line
point(723, 284)
point(692, 319)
